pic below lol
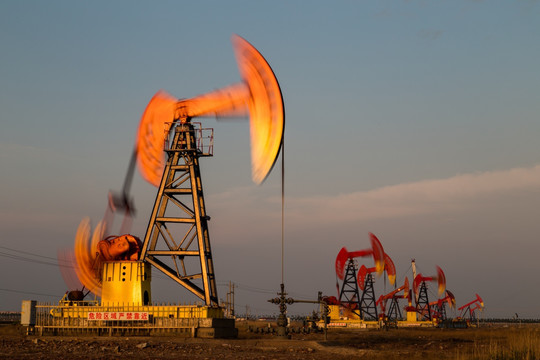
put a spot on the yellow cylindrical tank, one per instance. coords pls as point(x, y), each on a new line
point(126, 282)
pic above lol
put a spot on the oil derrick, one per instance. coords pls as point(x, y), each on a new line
point(368, 304)
point(420, 291)
point(438, 308)
point(167, 151)
point(394, 312)
point(368, 307)
point(439, 311)
point(349, 295)
point(179, 209)
point(468, 311)
point(178, 228)
point(422, 303)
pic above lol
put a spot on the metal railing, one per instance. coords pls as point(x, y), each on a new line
point(122, 319)
point(204, 138)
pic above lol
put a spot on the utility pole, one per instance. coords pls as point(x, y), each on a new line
point(232, 302)
point(230, 299)
point(229, 303)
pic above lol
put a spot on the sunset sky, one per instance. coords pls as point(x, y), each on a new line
point(416, 120)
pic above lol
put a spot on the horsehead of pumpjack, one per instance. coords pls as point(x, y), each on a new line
point(440, 278)
point(376, 251)
point(389, 269)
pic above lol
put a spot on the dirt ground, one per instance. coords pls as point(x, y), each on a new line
point(341, 344)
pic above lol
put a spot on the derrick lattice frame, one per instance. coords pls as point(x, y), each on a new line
point(177, 241)
point(349, 295)
point(440, 310)
point(472, 315)
point(368, 303)
point(422, 304)
point(468, 314)
point(394, 312)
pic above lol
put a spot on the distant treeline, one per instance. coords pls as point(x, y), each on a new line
point(513, 321)
point(311, 316)
point(9, 316)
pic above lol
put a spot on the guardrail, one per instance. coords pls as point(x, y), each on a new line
point(79, 319)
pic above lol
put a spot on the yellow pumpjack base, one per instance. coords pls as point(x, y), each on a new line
point(126, 305)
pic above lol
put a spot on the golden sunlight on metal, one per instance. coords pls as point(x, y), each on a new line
point(228, 101)
point(390, 269)
point(406, 288)
point(378, 253)
point(86, 257)
point(151, 136)
point(266, 110)
point(259, 93)
point(441, 280)
point(92, 250)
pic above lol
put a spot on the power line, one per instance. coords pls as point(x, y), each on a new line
point(258, 309)
point(26, 252)
point(67, 264)
point(32, 254)
point(243, 287)
point(254, 289)
point(27, 292)
point(35, 261)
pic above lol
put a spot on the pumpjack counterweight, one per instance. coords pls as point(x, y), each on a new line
point(177, 240)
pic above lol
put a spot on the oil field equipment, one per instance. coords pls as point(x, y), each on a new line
point(468, 311)
point(180, 199)
point(392, 312)
point(169, 145)
point(368, 302)
point(421, 295)
point(346, 270)
point(283, 301)
point(438, 307)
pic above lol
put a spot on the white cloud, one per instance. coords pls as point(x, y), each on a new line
point(423, 197)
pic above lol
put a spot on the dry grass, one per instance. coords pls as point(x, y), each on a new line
point(493, 342)
point(507, 344)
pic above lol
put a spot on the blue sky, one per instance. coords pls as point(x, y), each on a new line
point(414, 120)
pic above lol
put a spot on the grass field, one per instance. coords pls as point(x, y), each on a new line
point(493, 342)
point(505, 344)
point(490, 341)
